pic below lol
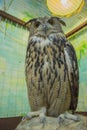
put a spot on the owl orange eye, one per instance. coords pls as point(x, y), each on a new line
point(51, 21)
point(37, 23)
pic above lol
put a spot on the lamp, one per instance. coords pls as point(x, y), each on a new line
point(64, 8)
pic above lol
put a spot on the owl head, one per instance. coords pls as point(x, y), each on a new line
point(45, 26)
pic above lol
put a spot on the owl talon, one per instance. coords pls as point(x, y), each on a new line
point(40, 113)
point(43, 119)
point(71, 116)
point(61, 119)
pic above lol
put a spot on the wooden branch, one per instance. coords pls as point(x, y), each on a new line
point(75, 30)
point(16, 20)
point(9, 17)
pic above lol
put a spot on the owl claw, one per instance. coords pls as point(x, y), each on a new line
point(60, 119)
point(41, 113)
point(43, 119)
point(72, 117)
point(63, 119)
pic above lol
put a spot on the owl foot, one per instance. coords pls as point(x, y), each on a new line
point(72, 117)
point(43, 119)
point(41, 113)
point(63, 119)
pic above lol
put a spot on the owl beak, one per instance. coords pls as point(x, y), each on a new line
point(45, 28)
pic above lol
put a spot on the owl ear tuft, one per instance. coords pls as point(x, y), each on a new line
point(60, 20)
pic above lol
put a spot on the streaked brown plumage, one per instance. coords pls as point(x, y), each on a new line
point(51, 68)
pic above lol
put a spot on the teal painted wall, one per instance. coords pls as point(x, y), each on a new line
point(13, 90)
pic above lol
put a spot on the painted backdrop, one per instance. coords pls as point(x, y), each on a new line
point(13, 90)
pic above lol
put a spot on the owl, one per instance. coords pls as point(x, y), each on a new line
point(51, 70)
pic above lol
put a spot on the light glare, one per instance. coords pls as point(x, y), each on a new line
point(65, 7)
point(63, 1)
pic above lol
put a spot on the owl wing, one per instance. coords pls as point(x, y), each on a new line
point(73, 74)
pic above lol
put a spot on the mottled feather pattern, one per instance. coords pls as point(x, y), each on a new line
point(51, 70)
point(46, 73)
point(73, 75)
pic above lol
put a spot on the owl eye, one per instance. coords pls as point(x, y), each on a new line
point(51, 21)
point(37, 23)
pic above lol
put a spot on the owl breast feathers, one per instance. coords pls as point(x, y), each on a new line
point(51, 70)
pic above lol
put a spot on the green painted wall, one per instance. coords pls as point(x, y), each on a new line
point(13, 90)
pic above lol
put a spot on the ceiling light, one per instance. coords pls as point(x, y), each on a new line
point(64, 7)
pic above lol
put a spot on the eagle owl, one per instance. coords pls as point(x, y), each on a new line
point(51, 68)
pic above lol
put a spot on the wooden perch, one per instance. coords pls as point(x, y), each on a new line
point(16, 20)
